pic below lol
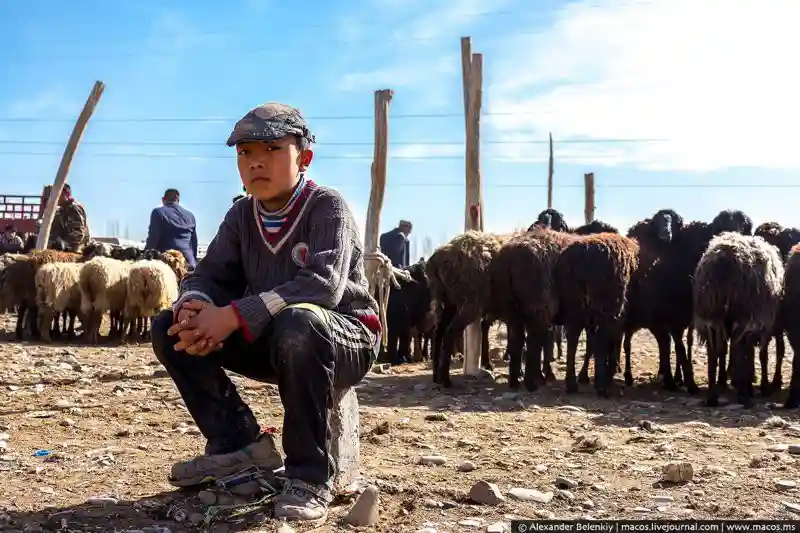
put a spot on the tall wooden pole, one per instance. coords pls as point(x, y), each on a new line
point(383, 98)
point(466, 63)
point(66, 161)
point(473, 93)
point(550, 169)
point(588, 185)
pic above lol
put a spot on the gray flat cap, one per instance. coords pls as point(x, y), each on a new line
point(270, 122)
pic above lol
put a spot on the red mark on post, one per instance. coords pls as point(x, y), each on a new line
point(474, 213)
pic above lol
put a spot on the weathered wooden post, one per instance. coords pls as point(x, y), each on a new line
point(66, 161)
point(383, 98)
point(550, 168)
point(473, 93)
point(588, 184)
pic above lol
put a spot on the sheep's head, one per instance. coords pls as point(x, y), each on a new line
point(665, 224)
point(732, 220)
point(149, 254)
point(175, 260)
point(97, 249)
point(595, 226)
point(550, 219)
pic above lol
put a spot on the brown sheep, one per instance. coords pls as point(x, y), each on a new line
point(789, 318)
point(592, 277)
point(524, 297)
point(457, 274)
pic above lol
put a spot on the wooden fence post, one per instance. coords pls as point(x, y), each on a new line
point(473, 91)
point(550, 169)
point(66, 161)
point(383, 98)
point(588, 184)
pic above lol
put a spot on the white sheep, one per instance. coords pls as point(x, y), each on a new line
point(152, 286)
point(104, 287)
point(57, 291)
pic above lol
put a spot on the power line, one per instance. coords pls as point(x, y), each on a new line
point(233, 120)
point(337, 143)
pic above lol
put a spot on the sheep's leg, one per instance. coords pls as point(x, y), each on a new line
point(602, 348)
point(744, 353)
point(392, 336)
point(515, 333)
point(717, 348)
point(454, 330)
point(404, 349)
point(587, 356)
point(71, 329)
point(426, 340)
point(45, 318)
point(558, 337)
point(22, 311)
point(547, 348)
point(536, 341)
point(793, 398)
point(486, 361)
point(664, 351)
point(447, 314)
point(573, 336)
point(763, 356)
point(626, 345)
point(780, 353)
point(683, 362)
point(722, 379)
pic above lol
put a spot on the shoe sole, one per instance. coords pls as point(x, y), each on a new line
point(207, 478)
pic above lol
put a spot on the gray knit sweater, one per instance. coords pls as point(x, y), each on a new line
point(316, 258)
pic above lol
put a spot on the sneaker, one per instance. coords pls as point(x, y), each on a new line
point(302, 502)
point(208, 468)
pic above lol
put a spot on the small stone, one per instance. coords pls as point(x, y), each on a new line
point(467, 466)
point(486, 493)
point(641, 510)
point(431, 504)
point(436, 417)
point(541, 469)
point(470, 522)
point(530, 495)
point(795, 508)
point(677, 472)
point(497, 527)
point(67, 422)
point(565, 483)
point(565, 494)
point(285, 528)
point(102, 500)
point(775, 422)
point(426, 530)
point(365, 511)
point(589, 444)
point(432, 460)
point(777, 448)
point(207, 497)
point(794, 449)
point(544, 513)
point(785, 484)
point(588, 504)
point(465, 443)
point(663, 498)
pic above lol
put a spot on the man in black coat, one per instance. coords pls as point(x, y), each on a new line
point(394, 244)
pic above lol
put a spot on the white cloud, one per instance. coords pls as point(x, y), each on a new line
point(714, 78)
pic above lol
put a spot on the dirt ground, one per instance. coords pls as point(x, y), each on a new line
point(112, 423)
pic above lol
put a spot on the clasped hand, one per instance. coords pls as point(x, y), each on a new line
point(202, 327)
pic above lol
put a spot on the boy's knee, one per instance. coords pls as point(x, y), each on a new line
point(296, 333)
point(162, 342)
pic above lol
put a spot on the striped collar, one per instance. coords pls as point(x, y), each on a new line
point(281, 213)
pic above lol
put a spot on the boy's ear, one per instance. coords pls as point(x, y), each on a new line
point(305, 159)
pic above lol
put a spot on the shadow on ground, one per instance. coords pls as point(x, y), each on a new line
point(171, 511)
point(627, 406)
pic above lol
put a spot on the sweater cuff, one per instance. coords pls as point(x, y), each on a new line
point(256, 312)
point(190, 295)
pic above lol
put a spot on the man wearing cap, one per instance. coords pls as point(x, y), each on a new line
point(10, 241)
point(280, 296)
point(70, 229)
point(394, 244)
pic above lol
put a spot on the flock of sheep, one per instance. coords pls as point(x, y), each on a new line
point(129, 284)
point(735, 287)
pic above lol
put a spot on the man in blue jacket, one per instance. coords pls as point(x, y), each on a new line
point(173, 228)
point(394, 244)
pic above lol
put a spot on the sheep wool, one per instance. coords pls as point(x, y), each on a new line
point(57, 291)
point(104, 286)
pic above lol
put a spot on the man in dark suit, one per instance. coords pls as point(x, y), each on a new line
point(173, 228)
point(394, 244)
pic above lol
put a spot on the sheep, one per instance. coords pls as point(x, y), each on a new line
point(6, 305)
point(550, 219)
point(595, 226)
point(174, 259)
point(103, 286)
point(523, 295)
point(57, 291)
point(20, 287)
point(457, 275)
point(151, 286)
point(650, 297)
point(736, 296)
point(406, 309)
point(592, 278)
point(789, 317)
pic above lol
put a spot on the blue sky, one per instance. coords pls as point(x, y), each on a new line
point(714, 112)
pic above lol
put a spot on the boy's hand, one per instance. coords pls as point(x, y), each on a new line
point(204, 332)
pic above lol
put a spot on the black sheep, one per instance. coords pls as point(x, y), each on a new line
point(550, 219)
point(405, 311)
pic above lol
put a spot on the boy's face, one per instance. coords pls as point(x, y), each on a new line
point(269, 170)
